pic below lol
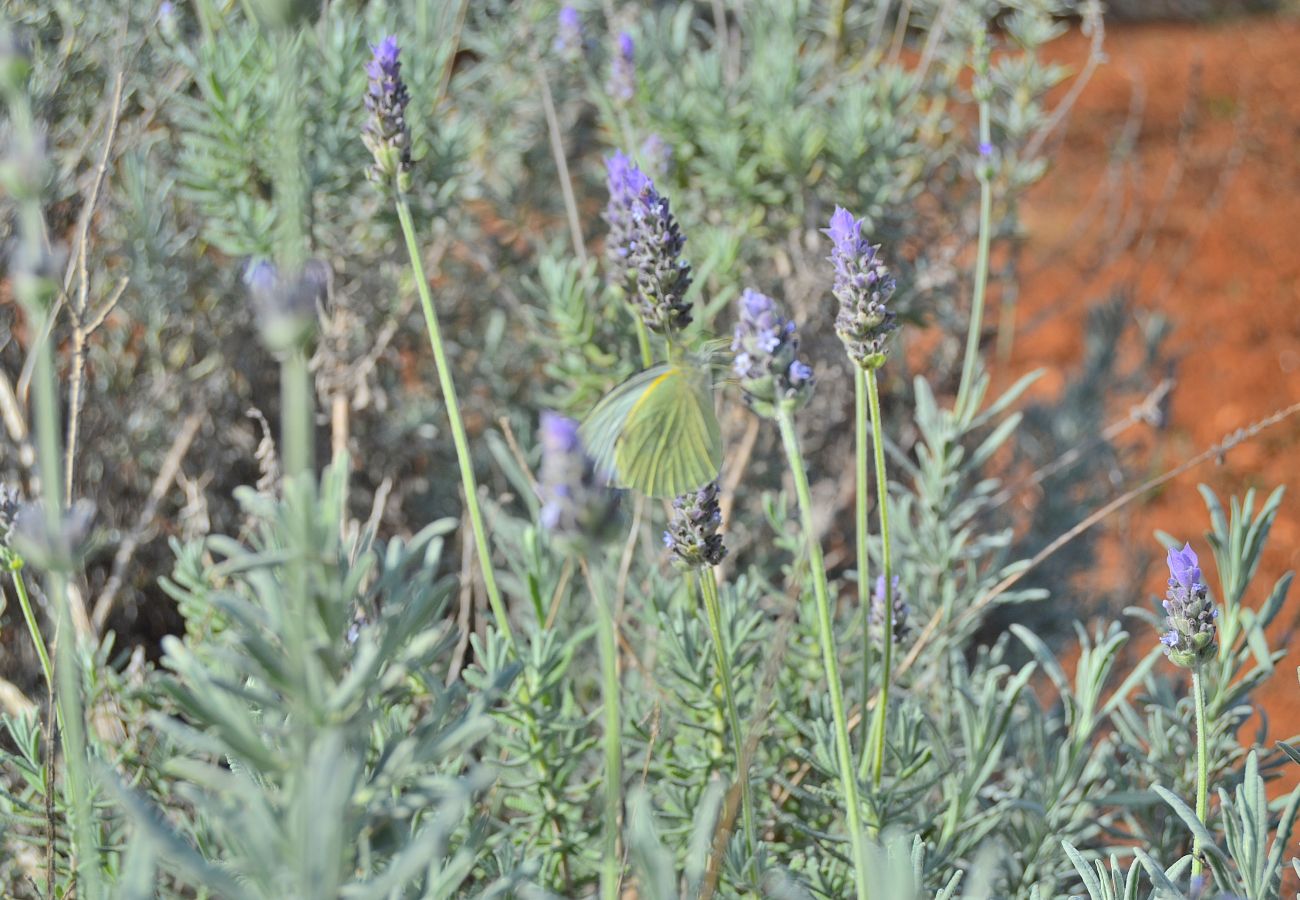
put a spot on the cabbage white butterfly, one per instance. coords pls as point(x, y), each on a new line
point(657, 432)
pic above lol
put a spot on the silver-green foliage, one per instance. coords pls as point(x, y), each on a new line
point(316, 747)
point(323, 725)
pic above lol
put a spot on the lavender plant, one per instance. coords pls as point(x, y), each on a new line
point(334, 713)
point(643, 254)
point(864, 321)
point(775, 383)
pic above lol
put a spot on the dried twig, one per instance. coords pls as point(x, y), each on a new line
point(466, 604)
point(561, 163)
point(83, 324)
point(1148, 410)
point(82, 330)
point(126, 549)
point(1093, 26)
point(1216, 451)
point(16, 423)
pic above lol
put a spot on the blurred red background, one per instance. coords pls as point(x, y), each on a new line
point(1199, 220)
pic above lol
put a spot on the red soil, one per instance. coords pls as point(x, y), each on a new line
point(1218, 255)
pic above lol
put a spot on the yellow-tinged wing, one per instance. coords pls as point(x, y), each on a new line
point(658, 433)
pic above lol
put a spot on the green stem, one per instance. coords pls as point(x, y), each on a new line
point(67, 669)
point(468, 482)
point(981, 266)
point(296, 413)
point(713, 612)
point(864, 562)
point(643, 341)
point(887, 631)
point(826, 633)
point(1202, 767)
point(33, 627)
point(84, 850)
point(610, 866)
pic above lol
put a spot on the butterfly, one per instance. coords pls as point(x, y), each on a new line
point(657, 432)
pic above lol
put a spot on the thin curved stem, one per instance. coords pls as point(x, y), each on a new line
point(33, 627)
point(561, 164)
point(981, 266)
point(607, 638)
point(826, 635)
point(887, 631)
point(713, 612)
point(861, 527)
point(468, 482)
point(1202, 768)
point(643, 341)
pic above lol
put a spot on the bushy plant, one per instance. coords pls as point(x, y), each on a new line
point(623, 665)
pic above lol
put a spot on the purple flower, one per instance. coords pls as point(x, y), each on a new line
point(61, 548)
point(386, 133)
point(766, 345)
point(1184, 567)
point(1191, 615)
point(900, 628)
point(692, 536)
point(621, 85)
point(863, 287)
point(568, 35)
point(166, 20)
point(261, 277)
point(286, 306)
point(576, 505)
point(644, 248)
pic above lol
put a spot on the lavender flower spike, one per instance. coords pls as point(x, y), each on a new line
point(1190, 640)
point(621, 85)
point(644, 248)
point(576, 506)
point(765, 363)
point(386, 133)
point(568, 35)
point(901, 628)
point(692, 536)
point(863, 286)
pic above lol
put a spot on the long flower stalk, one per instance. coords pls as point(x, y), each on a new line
point(713, 613)
point(861, 518)
point(607, 639)
point(984, 174)
point(387, 135)
point(887, 631)
point(463, 458)
point(1191, 642)
point(826, 634)
point(296, 401)
point(864, 323)
point(29, 617)
point(1202, 768)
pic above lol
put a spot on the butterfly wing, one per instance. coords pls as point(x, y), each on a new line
point(670, 441)
point(603, 426)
